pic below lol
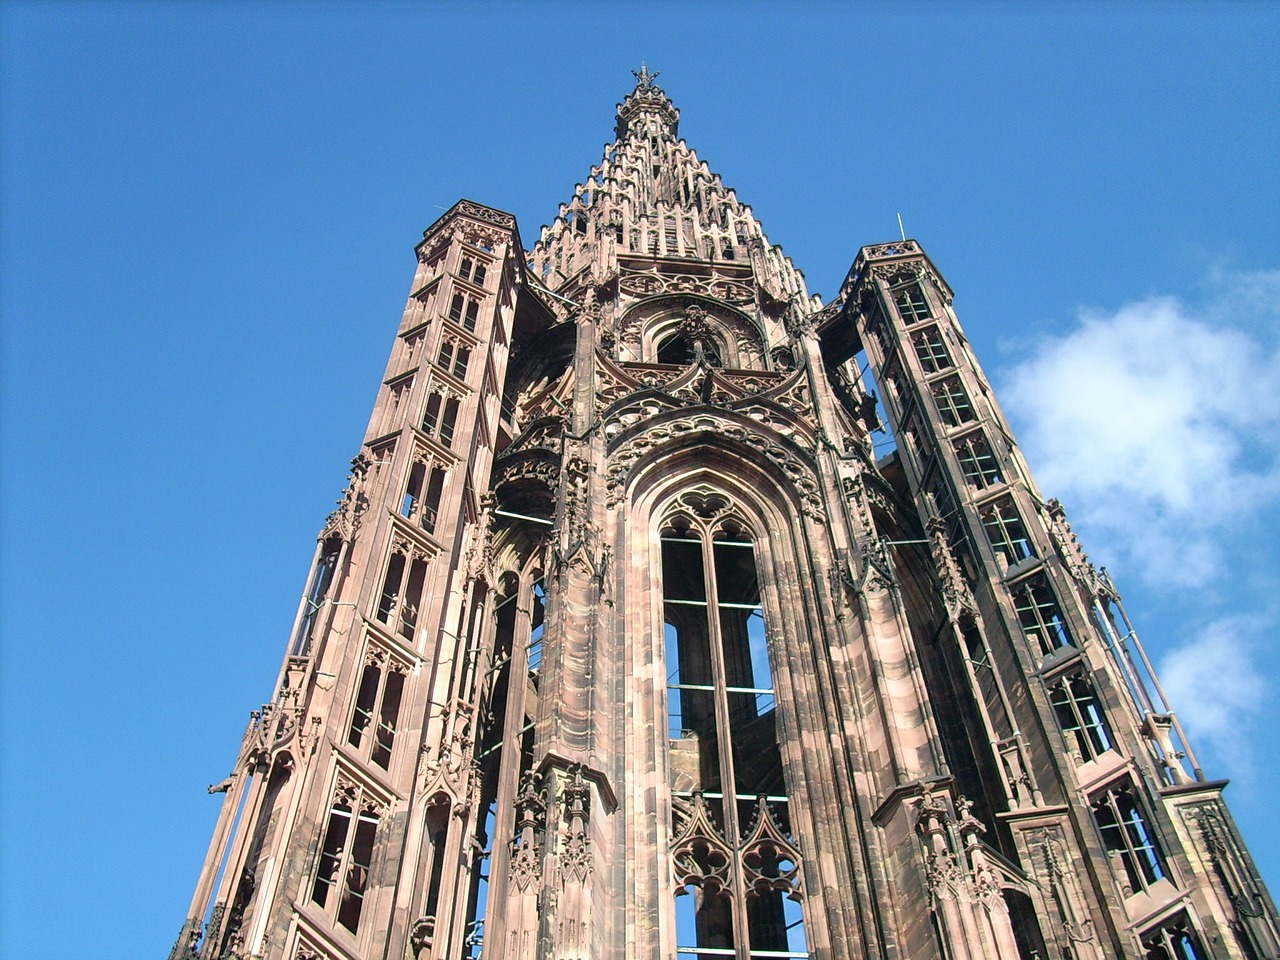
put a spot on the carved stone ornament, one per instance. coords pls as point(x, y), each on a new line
point(1073, 555)
point(445, 762)
point(955, 589)
point(789, 459)
point(732, 324)
point(422, 935)
point(308, 951)
point(1046, 845)
point(700, 855)
point(353, 503)
point(526, 848)
point(575, 855)
point(770, 860)
point(487, 214)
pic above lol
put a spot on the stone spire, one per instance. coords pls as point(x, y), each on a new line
point(651, 196)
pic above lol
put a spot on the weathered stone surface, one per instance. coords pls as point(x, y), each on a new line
point(621, 642)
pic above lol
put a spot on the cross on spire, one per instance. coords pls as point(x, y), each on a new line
point(644, 79)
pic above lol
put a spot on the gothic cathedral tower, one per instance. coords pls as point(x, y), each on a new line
point(622, 644)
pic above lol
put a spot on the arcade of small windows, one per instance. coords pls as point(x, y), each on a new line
point(931, 349)
point(402, 589)
point(953, 403)
point(1175, 939)
point(472, 270)
point(911, 302)
point(978, 462)
point(1130, 843)
point(346, 853)
point(377, 709)
point(508, 707)
point(421, 500)
point(453, 358)
point(736, 867)
point(463, 311)
point(441, 418)
point(1005, 531)
point(1081, 718)
point(1041, 617)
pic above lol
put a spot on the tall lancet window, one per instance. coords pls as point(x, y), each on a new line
point(738, 890)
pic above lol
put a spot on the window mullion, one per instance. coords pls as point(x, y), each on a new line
point(741, 930)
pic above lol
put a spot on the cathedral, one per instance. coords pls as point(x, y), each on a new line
point(623, 643)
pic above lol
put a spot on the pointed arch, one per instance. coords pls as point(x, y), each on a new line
point(660, 321)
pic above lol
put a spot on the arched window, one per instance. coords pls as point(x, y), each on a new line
point(681, 350)
point(736, 867)
point(507, 706)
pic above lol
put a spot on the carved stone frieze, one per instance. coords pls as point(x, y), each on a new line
point(532, 465)
point(633, 284)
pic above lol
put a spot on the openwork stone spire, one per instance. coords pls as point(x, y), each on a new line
point(650, 195)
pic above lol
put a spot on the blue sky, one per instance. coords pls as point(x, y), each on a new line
point(208, 219)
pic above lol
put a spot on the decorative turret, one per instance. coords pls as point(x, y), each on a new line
point(646, 111)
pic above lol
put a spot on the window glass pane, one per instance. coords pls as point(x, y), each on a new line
point(977, 461)
point(757, 758)
point(696, 754)
point(682, 578)
point(363, 715)
point(358, 872)
point(391, 587)
point(431, 503)
point(708, 916)
point(335, 837)
point(1038, 612)
point(1080, 717)
point(388, 716)
point(449, 421)
point(911, 303)
point(1005, 531)
point(797, 941)
point(675, 707)
point(766, 921)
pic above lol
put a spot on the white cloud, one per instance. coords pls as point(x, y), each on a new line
point(1159, 424)
point(1214, 683)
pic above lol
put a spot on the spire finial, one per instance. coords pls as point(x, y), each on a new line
point(644, 79)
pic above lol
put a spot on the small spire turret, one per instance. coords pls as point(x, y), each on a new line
point(647, 109)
